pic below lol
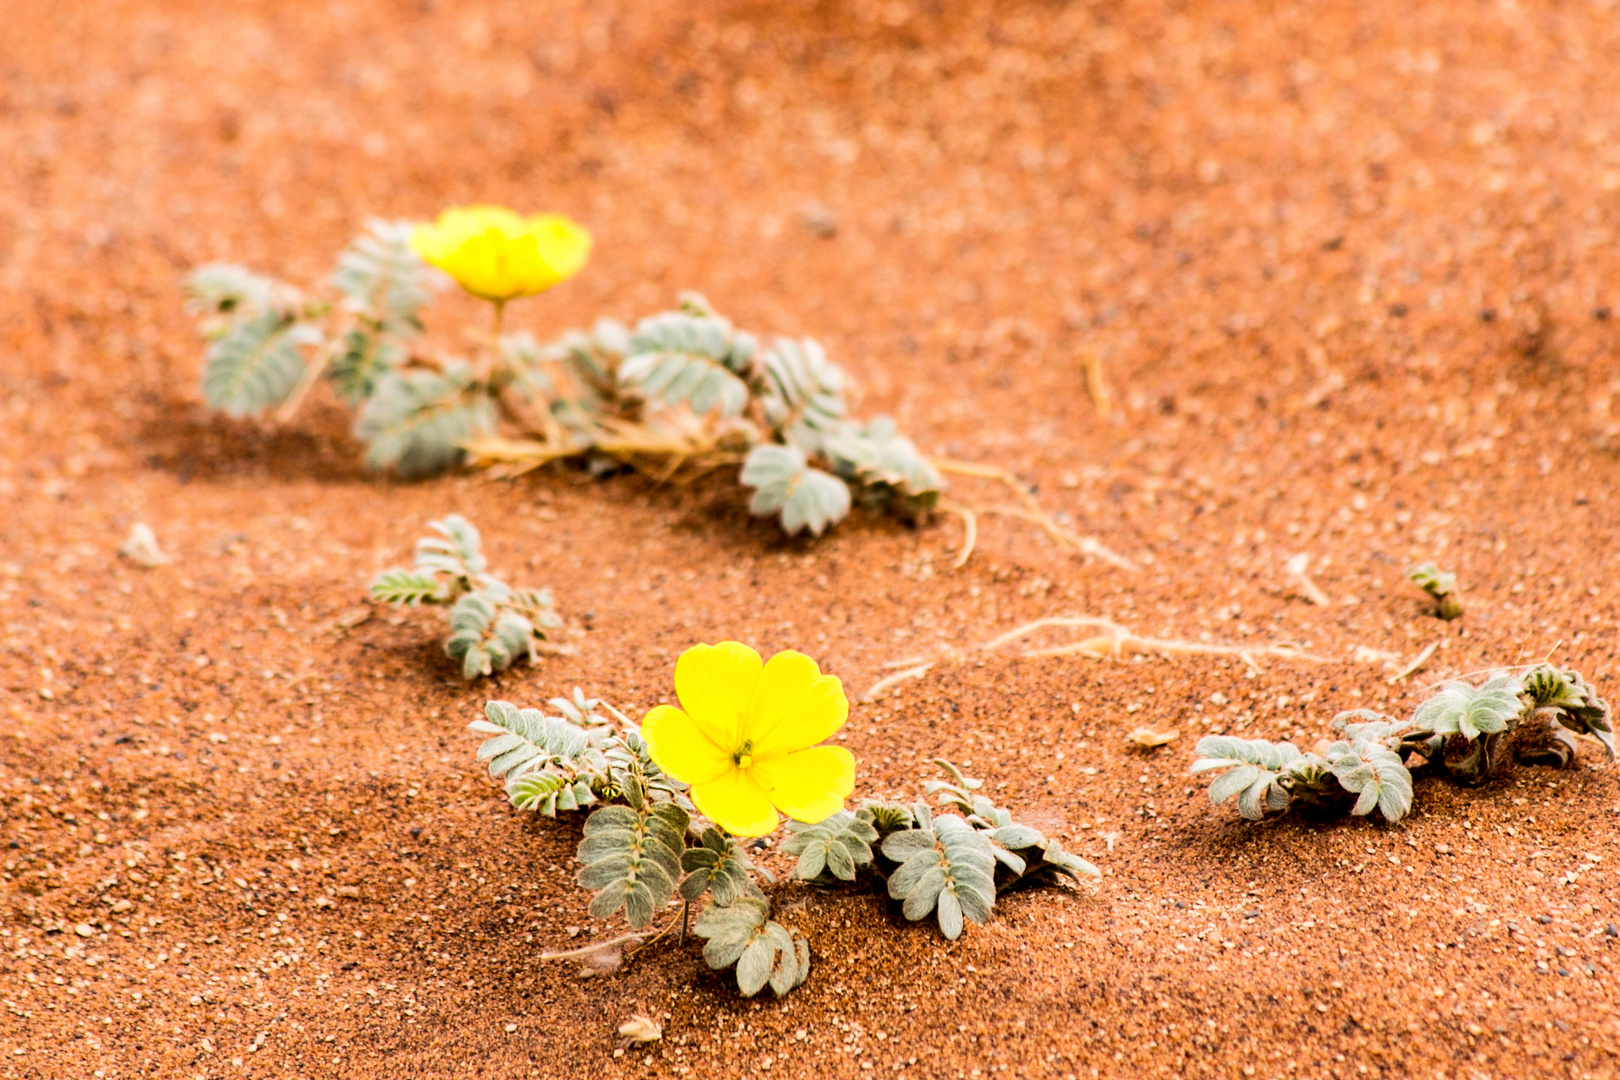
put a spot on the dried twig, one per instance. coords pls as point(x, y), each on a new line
point(970, 531)
point(1117, 640)
point(1417, 662)
point(1095, 385)
point(314, 370)
point(900, 676)
point(1032, 511)
point(657, 454)
point(1307, 588)
point(586, 950)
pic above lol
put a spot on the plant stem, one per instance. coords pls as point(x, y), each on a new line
point(597, 947)
point(495, 325)
point(485, 369)
point(685, 904)
point(314, 370)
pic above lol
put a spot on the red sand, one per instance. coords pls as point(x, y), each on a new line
point(1350, 269)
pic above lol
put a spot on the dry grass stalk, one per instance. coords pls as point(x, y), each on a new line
point(1095, 385)
point(887, 681)
point(970, 531)
point(1307, 588)
point(1032, 512)
point(664, 456)
point(1117, 640)
point(1417, 662)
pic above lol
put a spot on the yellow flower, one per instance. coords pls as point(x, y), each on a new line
point(497, 254)
point(745, 737)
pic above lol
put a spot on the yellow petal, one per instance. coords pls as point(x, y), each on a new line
point(498, 254)
point(795, 706)
point(716, 686)
point(810, 785)
point(458, 224)
point(680, 748)
point(561, 245)
point(736, 804)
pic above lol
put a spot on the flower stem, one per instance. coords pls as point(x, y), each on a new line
point(486, 366)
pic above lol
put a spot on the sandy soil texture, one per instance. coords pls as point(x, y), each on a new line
point(1351, 268)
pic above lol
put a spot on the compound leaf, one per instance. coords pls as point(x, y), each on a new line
point(786, 484)
point(407, 587)
point(456, 551)
point(1460, 708)
point(717, 866)
point(837, 846)
point(237, 292)
point(803, 395)
point(885, 463)
point(681, 358)
point(361, 363)
point(416, 421)
point(256, 363)
point(943, 859)
point(1379, 779)
point(634, 862)
point(382, 279)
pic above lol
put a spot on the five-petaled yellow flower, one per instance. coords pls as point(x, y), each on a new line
point(745, 737)
point(498, 254)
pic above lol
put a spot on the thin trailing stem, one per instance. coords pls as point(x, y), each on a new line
point(1417, 662)
point(314, 370)
point(1032, 511)
point(681, 922)
point(1085, 545)
point(586, 950)
point(489, 356)
point(898, 677)
point(970, 531)
point(1118, 640)
point(496, 323)
point(1296, 568)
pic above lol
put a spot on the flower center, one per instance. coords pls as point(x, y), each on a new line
point(744, 757)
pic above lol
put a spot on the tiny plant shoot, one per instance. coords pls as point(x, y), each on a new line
point(1464, 733)
point(491, 624)
point(1441, 586)
point(670, 800)
point(680, 394)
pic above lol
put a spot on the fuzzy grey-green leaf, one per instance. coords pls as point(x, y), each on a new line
point(256, 363)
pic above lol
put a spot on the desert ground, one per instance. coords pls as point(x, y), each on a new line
point(1352, 272)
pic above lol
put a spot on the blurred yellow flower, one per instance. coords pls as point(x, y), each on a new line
point(498, 254)
point(745, 737)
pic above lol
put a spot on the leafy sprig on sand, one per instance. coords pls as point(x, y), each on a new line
point(681, 393)
point(678, 395)
point(1464, 732)
point(492, 624)
point(1441, 586)
point(645, 847)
